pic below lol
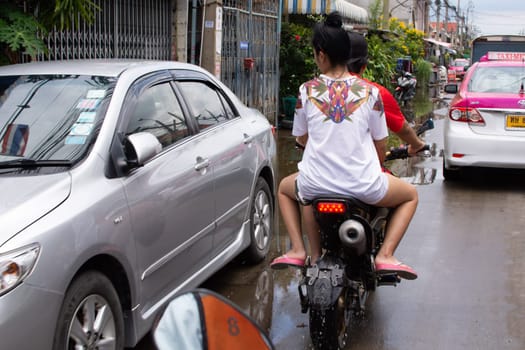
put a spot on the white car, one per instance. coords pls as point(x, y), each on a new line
point(123, 183)
point(486, 118)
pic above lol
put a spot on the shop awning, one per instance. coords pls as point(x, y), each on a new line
point(439, 43)
point(317, 7)
point(446, 46)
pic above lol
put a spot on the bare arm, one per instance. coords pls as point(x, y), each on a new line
point(408, 135)
point(302, 139)
point(381, 149)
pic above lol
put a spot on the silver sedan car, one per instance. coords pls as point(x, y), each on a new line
point(123, 183)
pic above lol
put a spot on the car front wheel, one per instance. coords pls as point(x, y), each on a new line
point(91, 315)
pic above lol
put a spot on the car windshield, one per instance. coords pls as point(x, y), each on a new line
point(47, 118)
point(497, 79)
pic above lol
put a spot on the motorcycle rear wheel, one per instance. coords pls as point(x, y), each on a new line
point(328, 328)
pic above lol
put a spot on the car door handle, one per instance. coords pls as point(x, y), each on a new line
point(247, 138)
point(202, 163)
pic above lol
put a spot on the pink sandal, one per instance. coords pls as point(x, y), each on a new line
point(285, 261)
point(402, 270)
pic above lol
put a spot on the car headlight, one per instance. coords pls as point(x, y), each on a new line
point(16, 265)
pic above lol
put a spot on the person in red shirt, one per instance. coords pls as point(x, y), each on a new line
point(395, 120)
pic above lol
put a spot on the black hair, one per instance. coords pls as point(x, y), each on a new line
point(358, 52)
point(330, 37)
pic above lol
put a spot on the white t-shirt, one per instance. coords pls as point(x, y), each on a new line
point(342, 119)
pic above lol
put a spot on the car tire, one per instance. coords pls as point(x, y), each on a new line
point(93, 292)
point(261, 223)
point(450, 174)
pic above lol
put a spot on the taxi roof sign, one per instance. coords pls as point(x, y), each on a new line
point(505, 56)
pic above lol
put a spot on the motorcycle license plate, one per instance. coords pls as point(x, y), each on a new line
point(515, 121)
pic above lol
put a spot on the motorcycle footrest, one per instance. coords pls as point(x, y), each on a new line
point(388, 280)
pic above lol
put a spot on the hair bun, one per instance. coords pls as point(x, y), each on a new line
point(334, 19)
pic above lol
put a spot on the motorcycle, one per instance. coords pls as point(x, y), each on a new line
point(406, 88)
point(335, 289)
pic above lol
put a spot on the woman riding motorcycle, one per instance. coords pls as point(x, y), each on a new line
point(340, 119)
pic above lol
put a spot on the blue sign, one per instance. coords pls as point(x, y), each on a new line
point(244, 45)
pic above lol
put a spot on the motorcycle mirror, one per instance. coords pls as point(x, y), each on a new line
point(202, 320)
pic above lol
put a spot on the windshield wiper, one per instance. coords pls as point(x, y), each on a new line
point(32, 163)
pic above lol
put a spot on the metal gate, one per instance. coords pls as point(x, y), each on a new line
point(251, 31)
point(121, 29)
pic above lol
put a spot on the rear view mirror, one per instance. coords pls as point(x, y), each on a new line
point(202, 319)
point(451, 88)
point(141, 147)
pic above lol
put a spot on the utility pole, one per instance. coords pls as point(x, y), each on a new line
point(212, 37)
point(438, 26)
point(445, 22)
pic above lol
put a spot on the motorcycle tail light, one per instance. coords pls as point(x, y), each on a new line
point(331, 207)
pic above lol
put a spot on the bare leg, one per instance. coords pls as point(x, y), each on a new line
point(403, 196)
point(312, 231)
point(291, 215)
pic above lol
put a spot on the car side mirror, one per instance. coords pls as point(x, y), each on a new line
point(202, 319)
point(451, 88)
point(140, 148)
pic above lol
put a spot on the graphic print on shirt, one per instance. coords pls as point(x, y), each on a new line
point(339, 99)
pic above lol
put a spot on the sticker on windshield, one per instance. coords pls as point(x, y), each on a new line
point(96, 93)
point(75, 140)
point(81, 129)
point(86, 117)
point(88, 103)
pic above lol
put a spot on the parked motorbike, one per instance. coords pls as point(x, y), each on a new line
point(202, 320)
point(334, 290)
point(406, 88)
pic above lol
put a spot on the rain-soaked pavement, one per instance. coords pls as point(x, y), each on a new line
point(467, 242)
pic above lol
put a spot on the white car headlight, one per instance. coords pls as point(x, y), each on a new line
point(16, 265)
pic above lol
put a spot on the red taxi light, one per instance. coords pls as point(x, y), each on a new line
point(467, 115)
point(331, 207)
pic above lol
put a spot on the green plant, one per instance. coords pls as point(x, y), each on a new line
point(423, 71)
point(65, 10)
point(296, 59)
point(381, 62)
point(18, 32)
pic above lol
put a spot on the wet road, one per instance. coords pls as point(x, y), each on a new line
point(467, 242)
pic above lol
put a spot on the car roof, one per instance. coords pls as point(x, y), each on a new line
point(98, 67)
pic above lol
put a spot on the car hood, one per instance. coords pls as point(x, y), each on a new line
point(25, 199)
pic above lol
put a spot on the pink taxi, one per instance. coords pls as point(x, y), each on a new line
point(459, 66)
point(486, 118)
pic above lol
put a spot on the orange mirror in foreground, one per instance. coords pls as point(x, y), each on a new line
point(204, 320)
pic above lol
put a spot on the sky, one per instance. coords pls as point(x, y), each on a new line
point(494, 16)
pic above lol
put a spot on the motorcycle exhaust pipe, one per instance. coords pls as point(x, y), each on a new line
point(353, 236)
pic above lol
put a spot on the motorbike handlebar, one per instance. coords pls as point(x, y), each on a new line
point(401, 152)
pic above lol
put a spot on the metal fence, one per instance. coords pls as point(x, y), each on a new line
point(251, 31)
point(122, 29)
point(142, 29)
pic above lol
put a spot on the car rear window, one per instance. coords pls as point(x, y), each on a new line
point(497, 79)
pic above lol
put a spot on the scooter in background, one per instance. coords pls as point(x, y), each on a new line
point(406, 88)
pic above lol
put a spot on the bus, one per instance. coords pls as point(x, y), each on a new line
point(501, 43)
